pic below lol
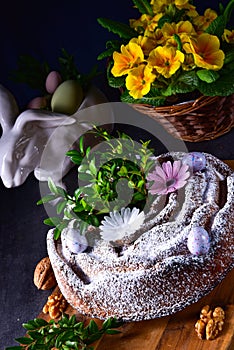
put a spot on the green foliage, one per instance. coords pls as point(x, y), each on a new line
point(32, 72)
point(65, 334)
point(121, 29)
point(143, 6)
point(151, 98)
point(99, 176)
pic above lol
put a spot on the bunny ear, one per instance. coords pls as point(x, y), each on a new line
point(9, 109)
point(43, 119)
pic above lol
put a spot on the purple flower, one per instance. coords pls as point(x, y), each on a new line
point(168, 177)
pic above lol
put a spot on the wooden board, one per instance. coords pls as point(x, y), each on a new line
point(175, 332)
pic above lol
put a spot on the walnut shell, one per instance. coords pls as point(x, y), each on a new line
point(44, 275)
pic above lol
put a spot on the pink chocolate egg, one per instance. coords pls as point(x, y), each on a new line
point(53, 80)
point(37, 103)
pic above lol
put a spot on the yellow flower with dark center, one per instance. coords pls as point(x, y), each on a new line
point(166, 60)
point(139, 80)
point(203, 22)
point(183, 27)
point(146, 43)
point(160, 5)
point(131, 56)
point(206, 51)
point(141, 22)
point(228, 36)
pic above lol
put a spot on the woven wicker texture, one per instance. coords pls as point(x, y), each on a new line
point(205, 118)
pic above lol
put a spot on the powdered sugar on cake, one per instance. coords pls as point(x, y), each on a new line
point(155, 275)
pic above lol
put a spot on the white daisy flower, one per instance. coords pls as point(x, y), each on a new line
point(121, 224)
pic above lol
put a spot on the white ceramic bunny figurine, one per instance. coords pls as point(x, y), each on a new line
point(37, 140)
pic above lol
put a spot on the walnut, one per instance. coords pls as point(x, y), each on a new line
point(44, 275)
point(56, 305)
point(206, 313)
point(200, 328)
point(210, 323)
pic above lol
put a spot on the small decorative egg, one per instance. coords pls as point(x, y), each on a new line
point(67, 97)
point(53, 80)
point(39, 102)
point(76, 242)
point(198, 241)
point(195, 160)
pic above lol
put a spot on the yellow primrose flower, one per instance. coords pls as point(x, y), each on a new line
point(203, 22)
point(206, 52)
point(159, 5)
point(183, 27)
point(153, 23)
point(139, 80)
point(141, 22)
point(131, 55)
point(228, 36)
point(166, 60)
point(146, 43)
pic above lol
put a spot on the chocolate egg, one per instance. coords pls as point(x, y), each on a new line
point(53, 80)
point(195, 160)
point(67, 97)
point(39, 102)
point(198, 241)
point(76, 242)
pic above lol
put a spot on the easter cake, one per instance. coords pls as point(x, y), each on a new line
point(183, 246)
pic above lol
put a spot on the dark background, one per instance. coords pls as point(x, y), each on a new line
point(41, 29)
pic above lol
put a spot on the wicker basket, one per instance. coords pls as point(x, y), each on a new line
point(205, 118)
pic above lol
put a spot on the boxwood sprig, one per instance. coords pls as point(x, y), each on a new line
point(98, 175)
point(65, 334)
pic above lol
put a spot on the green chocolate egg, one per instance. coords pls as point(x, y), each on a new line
point(67, 97)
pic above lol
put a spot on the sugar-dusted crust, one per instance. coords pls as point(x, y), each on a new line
point(156, 275)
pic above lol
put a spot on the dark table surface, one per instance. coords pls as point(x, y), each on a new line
point(22, 232)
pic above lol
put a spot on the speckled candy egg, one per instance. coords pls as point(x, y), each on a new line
point(198, 241)
point(76, 242)
point(195, 160)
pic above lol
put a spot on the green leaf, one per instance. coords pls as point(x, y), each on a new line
point(46, 199)
point(24, 340)
point(164, 19)
point(57, 233)
point(123, 171)
point(148, 99)
point(217, 26)
point(228, 10)
point(52, 185)
point(93, 327)
point(85, 177)
point(60, 206)
point(112, 331)
point(223, 86)
point(54, 221)
point(31, 72)
point(144, 7)
point(178, 41)
point(105, 54)
point(92, 167)
point(123, 30)
point(209, 76)
point(34, 335)
point(81, 144)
